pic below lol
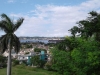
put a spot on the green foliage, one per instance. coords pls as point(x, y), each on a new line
point(39, 50)
point(28, 46)
point(79, 55)
point(48, 66)
point(9, 27)
point(37, 62)
point(65, 44)
point(60, 61)
point(68, 44)
point(88, 27)
point(74, 31)
point(15, 62)
point(3, 61)
point(42, 63)
point(51, 44)
point(84, 59)
point(2, 58)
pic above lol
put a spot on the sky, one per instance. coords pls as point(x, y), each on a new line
point(47, 18)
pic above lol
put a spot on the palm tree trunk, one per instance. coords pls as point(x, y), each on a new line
point(9, 59)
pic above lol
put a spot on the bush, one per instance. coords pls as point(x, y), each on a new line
point(3, 65)
point(15, 62)
point(35, 60)
point(3, 61)
point(48, 66)
point(42, 63)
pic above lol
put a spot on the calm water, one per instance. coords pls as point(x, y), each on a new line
point(33, 41)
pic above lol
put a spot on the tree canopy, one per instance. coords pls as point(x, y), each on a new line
point(9, 27)
point(88, 27)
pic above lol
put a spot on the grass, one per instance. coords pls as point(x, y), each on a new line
point(23, 70)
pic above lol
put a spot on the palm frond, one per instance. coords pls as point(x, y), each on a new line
point(8, 20)
point(4, 43)
point(16, 43)
point(4, 16)
point(18, 24)
point(4, 26)
point(9, 27)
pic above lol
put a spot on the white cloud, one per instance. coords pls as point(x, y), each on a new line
point(91, 4)
point(51, 20)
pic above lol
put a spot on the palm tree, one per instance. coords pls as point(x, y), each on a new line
point(9, 39)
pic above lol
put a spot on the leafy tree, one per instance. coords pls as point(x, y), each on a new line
point(36, 61)
point(89, 27)
point(79, 55)
point(74, 31)
point(9, 40)
point(68, 44)
point(83, 59)
point(61, 61)
point(86, 58)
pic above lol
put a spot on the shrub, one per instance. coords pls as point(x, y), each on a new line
point(15, 62)
point(48, 66)
point(37, 62)
point(42, 63)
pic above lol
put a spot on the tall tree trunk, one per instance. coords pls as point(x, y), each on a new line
point(9, 59)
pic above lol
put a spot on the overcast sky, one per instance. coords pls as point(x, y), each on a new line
point(47, 17)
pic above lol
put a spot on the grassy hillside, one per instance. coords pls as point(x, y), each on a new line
point(20, 70)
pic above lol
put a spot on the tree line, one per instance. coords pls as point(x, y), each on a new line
point(79, 54)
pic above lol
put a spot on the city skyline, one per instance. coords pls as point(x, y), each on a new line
point(48, 17)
